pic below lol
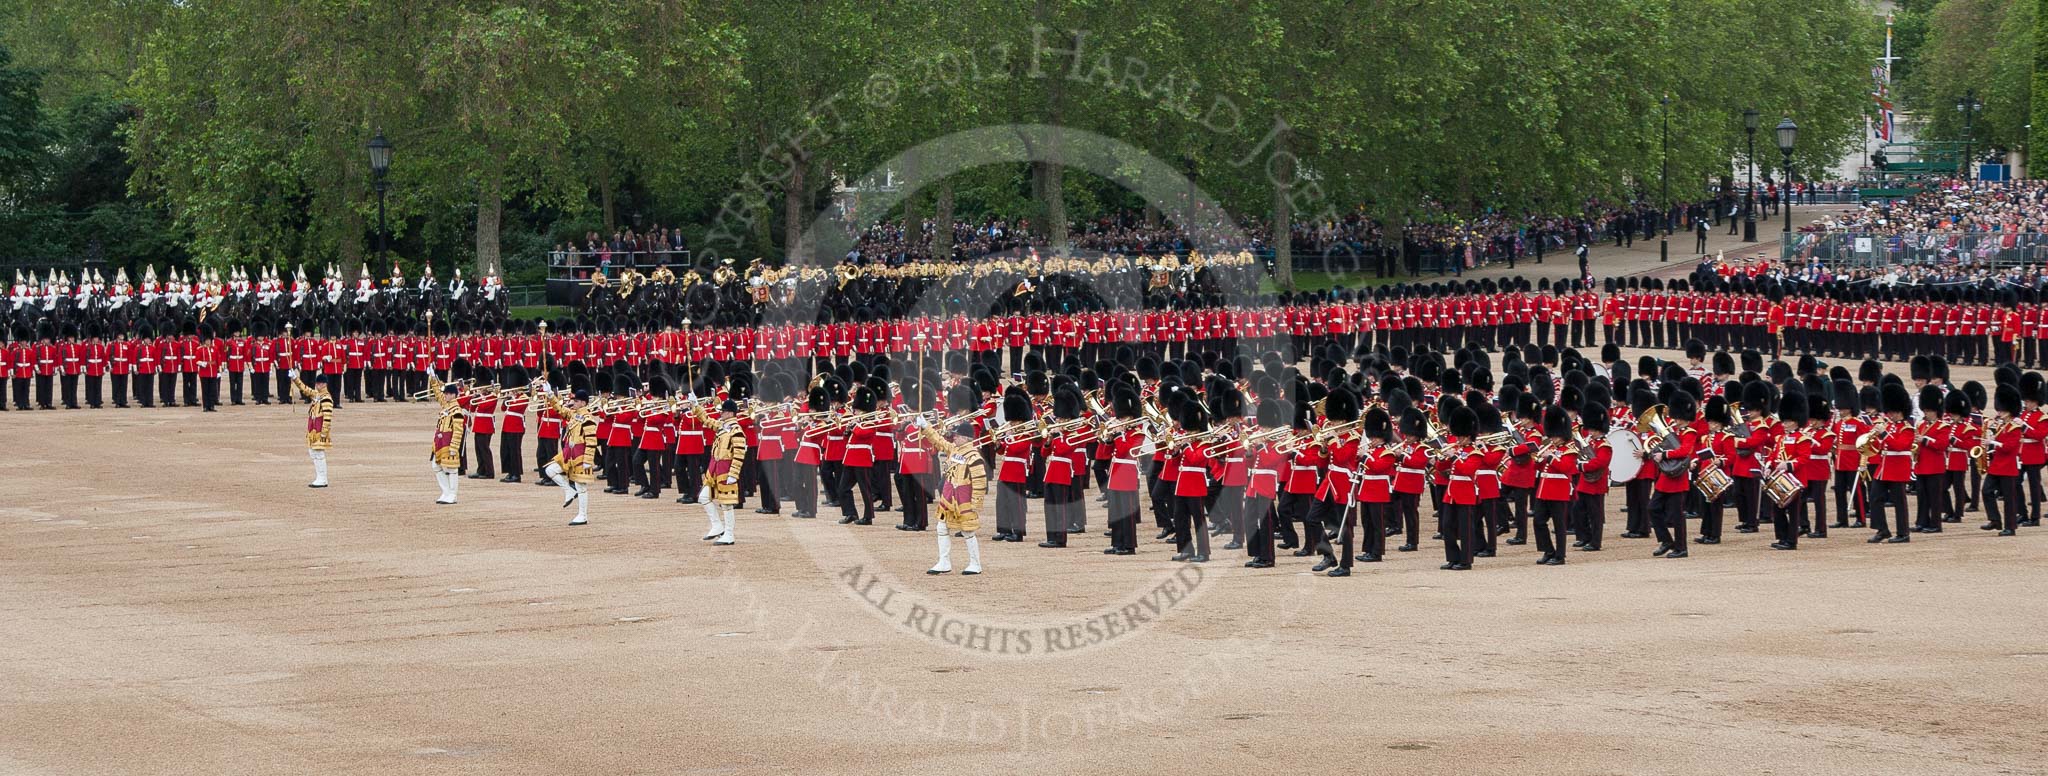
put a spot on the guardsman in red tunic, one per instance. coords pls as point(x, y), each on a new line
point(94, 352)
point(1065, 476)
point(1125, 440)
point(23, 372)
point(121, 365)
point(1595, 458)
point(1194, 468)
point(1266, 463)
point(1849, 426)
point(239, 351)
point(512, 427)
point(48, 363)
point(1895, 438)
point(1674, 477)
point(70, 364)
point(2004, 433)
point(653, 454)
point(862, 475)
point(1014, 440)
point(1557, 470)
point(211, 352)
point(1460, 463)
point(1930, 463)
point(1817, 466)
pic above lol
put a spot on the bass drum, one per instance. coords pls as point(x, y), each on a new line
point(1628, 456)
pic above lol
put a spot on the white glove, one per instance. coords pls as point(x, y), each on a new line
point(295, 374)
point(730, 481)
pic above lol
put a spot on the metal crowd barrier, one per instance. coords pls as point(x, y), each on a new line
point(1871, 250)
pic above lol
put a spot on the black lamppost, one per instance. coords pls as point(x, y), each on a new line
point(1788, 133)
point(380, 164)
point(1664, 203)
point(1749, 125)
point(1969, 106)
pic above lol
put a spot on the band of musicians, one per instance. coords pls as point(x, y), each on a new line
point(1212, 454)
point(1341, 428)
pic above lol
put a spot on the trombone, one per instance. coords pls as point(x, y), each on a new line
point(430, 392)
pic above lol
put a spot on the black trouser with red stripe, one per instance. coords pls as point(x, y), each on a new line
point(1259, 511)
point(484, 466)
point(1060, 498)
point(1667, 512)
point(1010, 509)
point(863, 478)
point(1373, 525)
point(1407, 508)
point(1295, 507)
point(1636, 496)
point(1123, 519)
point(917, 497)
point(806, 489)
point(2002, 491)
point(689, 470)
point(759, 475)
point(1817, 494)
point(1552, 517)
point(1591, 517)
point(1881, 490)
point(1518, 498)
point(1190, 525)
point(1228, 511)
point(544, 452)
point(1847, 505)
point(1930, 501)
point(1461, 533)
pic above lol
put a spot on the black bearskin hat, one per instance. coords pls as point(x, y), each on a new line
point(2007, 400)
point(1793, 408)
point(1556, 425)
point(1378, 425)
point(1930, 399)
point(1683, 408)
point(1956, 404)
point(1892, 398)
point(1463, 422)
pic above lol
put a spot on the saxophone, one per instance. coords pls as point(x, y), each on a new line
point(1980, 455)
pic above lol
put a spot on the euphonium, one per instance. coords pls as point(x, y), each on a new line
point(1656, 424)
point(1866, 445)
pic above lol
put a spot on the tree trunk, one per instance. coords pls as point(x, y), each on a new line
point(913, 224)
point(1283, 209)
point(942, 239)
point(490, 209)
point(352, 245)
point(1055, 176)
point(2037, 127)
point(606, 198)
point(793, 195)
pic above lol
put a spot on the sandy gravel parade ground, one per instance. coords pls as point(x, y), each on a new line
point(173, 600)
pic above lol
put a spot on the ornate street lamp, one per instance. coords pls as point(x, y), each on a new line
point(380, 165)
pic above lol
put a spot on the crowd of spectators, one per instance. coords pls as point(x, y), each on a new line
point(1952, 222)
